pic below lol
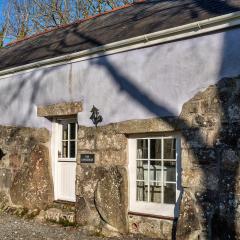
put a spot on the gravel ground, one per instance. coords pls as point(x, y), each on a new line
point(15, 228)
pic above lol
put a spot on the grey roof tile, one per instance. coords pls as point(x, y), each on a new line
point(138, 19)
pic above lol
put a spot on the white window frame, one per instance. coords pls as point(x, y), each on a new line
point(60, 140)
point(151, 208)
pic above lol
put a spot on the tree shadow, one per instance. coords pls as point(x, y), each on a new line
point(218, 205)
point(18, 92)
point(215, 223)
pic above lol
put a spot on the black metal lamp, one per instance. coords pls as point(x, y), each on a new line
point(95, 116)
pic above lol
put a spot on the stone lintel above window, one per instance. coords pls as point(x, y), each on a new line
point(166, 124)
point(59, 109)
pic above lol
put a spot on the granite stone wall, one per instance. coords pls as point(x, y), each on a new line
point(102, 187)
point(210, 126)
point(25, 168)
point(210, 145)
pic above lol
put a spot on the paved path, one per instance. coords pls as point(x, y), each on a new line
point(14, 228)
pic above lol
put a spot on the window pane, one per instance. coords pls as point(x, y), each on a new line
point(142, 171)
point(65, 132)
point(65, 149)
point(155, 171)
point(142, 191)
point(155, 149)
point(72, 149)
point(170, 148)
point(142, 148)
point(170, 171)
point(72, 131)
point(170, 193)
point(155, 192)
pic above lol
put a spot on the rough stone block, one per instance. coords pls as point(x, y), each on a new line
point(151, 227)
point(32, 185)
point(193, 178)
point(230, 159)
point(186, 159)
point(59, 109)
point(110, 141)
point(189, 227)
point(42, 135)
point(15, 161)
point(86, 144)
point(147, 125)
point(58, 216)
point(110, 198)
point(5, 178)
point(85, 214)
point(102, 194)
point(111, 157)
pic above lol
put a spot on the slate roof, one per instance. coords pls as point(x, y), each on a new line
point(131, 21)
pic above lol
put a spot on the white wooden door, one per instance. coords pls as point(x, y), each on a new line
point(65, 163)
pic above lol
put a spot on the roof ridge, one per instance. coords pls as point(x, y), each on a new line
point(73, 23)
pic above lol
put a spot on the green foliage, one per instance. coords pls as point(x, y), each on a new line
point(64, 222)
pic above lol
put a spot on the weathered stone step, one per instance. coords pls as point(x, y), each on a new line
point(58, 216)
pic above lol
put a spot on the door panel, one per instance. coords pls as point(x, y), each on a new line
point(66, 180)
point(66, 149)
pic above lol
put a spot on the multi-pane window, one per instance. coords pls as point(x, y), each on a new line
point(68, 140)
point(156, 170)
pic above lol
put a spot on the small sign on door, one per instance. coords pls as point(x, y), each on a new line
point(87, 158)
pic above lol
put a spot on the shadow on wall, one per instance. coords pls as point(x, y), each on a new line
point(217, 204)
point(27, 110)
point(217, 161)
point(214, 205)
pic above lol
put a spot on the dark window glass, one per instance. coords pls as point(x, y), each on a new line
point(155, 148)
point(142, 170)
point(142, 191)
point(170, 168)
point(65, 149)
point(142, 148)
point(170, 193)
point(72, 131)
point(170, 148)
point(155, 192)
point(155, 171)
point(72, 149)
point(65, 132)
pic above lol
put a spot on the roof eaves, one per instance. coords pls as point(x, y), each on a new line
point(172, 34)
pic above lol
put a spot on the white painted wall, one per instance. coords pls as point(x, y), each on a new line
point(138, 84)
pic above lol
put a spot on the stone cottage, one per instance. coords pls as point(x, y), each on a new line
point(164, 161)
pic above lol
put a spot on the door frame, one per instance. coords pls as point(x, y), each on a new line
point(55, 140)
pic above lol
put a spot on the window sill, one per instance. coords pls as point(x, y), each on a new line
point(151, 216)
point(65, 202)
point(66, 159)
point(157, 209)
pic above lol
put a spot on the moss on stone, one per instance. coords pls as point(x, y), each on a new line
point(63, 221)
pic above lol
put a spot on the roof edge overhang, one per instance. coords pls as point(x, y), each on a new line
point(164, 36)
